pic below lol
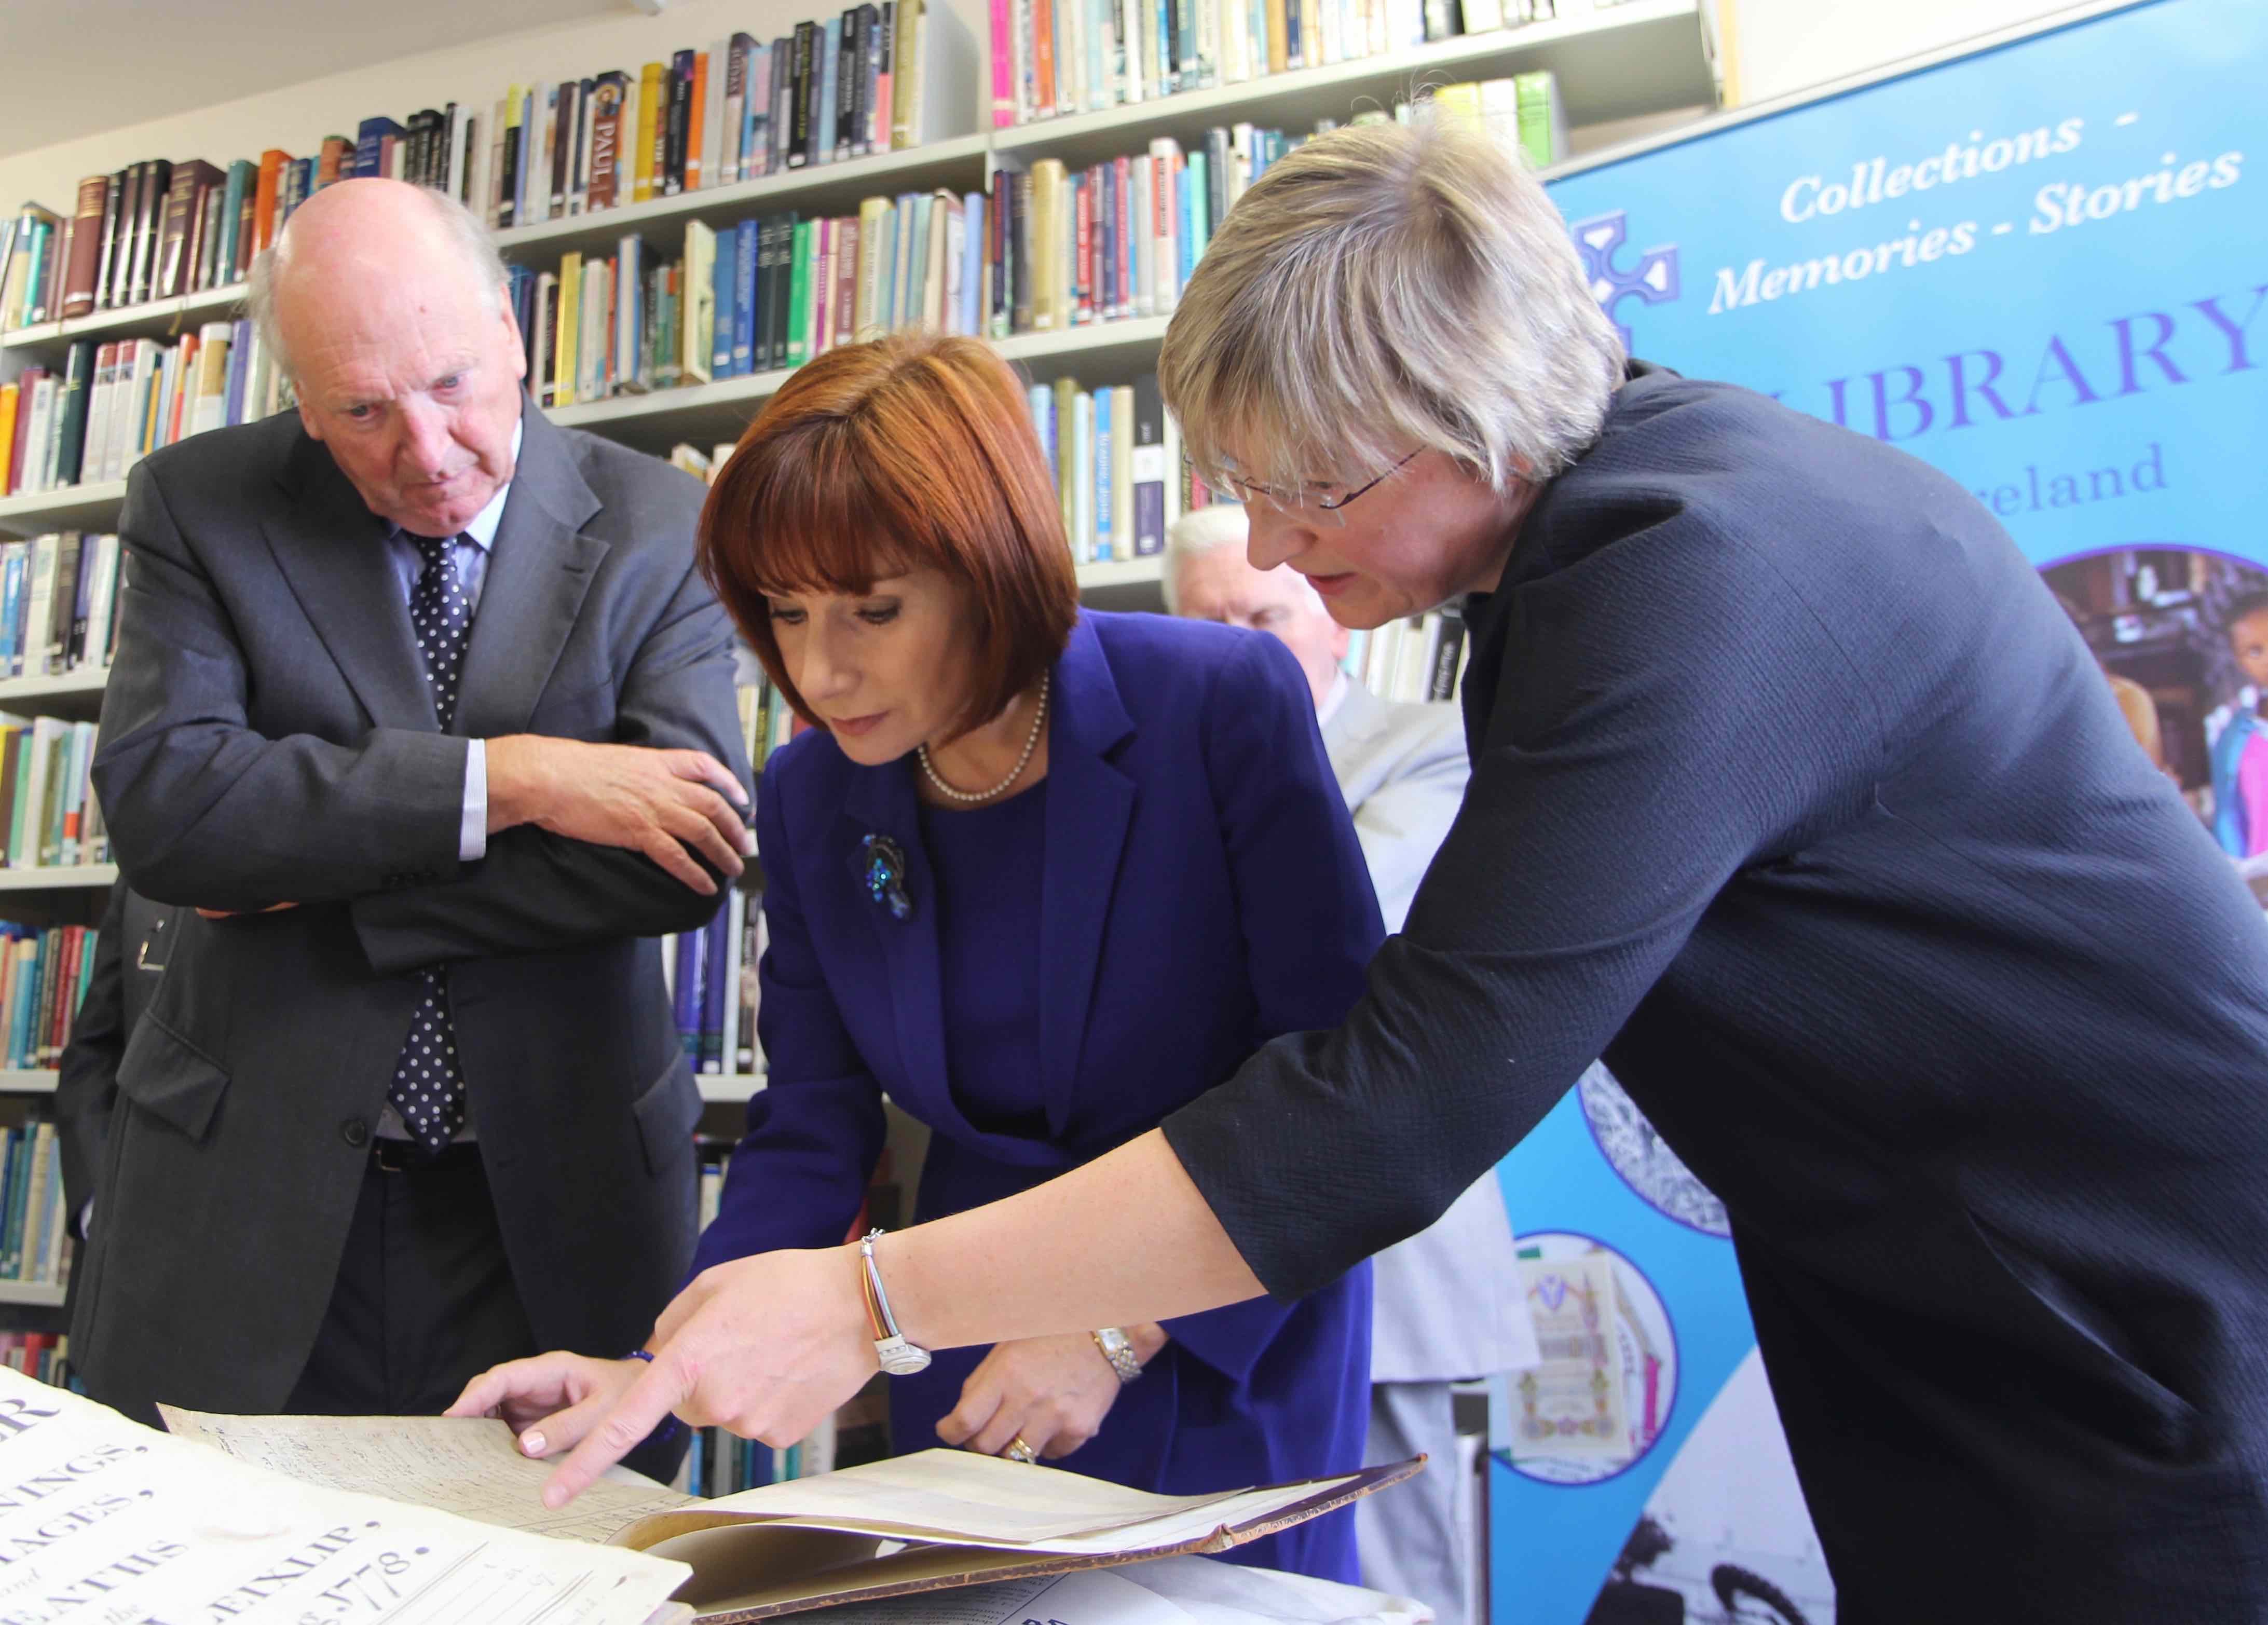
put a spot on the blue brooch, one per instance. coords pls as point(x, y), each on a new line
point(882, 869)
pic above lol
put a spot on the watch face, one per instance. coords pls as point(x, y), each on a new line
point(901, 1358)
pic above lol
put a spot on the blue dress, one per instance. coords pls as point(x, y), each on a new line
point(1078, 961)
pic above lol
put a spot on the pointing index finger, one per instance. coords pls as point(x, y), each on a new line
point(640, 1412)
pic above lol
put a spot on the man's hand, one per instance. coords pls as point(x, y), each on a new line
point(1052, 1393)
point(550, 1401)
point(764, 1346)
point(650, 800)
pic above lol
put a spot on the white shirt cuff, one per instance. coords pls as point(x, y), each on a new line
point(473, 831)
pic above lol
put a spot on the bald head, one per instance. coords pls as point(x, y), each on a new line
point(385, 303)
point(1209, 578)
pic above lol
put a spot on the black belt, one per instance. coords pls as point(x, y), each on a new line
point(408, 1156)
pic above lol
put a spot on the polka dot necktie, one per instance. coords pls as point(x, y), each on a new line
point(429, 1085)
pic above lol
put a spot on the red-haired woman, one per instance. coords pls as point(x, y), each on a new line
point(1040, 877)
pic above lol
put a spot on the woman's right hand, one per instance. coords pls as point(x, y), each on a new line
point(550, 1401)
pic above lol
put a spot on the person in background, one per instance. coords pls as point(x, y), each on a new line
point(1445, 1304)
point(2239, 755)
point(422, 716)
point(1036, 875)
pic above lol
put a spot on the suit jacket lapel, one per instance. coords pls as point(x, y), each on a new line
point(1090, 805)
point(538, 570)
point(881, 802)
point(332, 550)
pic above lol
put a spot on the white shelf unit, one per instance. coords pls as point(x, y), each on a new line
point(44, 1294)
point(729, 1088)
point(1615, 63)
point(77, 692)
point(153, 319)
point(73, 877)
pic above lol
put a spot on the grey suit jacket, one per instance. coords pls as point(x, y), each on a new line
point(267, 736)
point(1447, 1302)
point(130, 949)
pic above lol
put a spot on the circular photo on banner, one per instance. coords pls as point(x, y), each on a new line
point(1643, 1160)
point(2182, 637)
point(1608, 1380)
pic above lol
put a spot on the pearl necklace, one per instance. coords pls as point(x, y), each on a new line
point(1031, 744)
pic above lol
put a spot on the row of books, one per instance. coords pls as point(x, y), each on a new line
point(34, 1247)
point(877, 78)
point(1117, 463)
point(769, 292)
point(1054, 58)
point(711, 976)
point(1420, 657)
point(58, 603)
point(46, 800)
point(43, 974)
point(117, 401)
point(43, 1355)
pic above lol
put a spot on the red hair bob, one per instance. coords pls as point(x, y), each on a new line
point(912, 451)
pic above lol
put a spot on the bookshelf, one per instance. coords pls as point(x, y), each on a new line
point(1618, 61)
point(957, 162)
point(74, 877)
point(152, 319)
point(42, 1294)
point(75, 694)
point(727, 1089)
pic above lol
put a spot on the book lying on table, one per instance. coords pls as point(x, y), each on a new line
point(924, 1522)
point(102, 1518)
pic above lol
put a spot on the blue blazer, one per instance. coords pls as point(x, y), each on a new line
point(1201, 892)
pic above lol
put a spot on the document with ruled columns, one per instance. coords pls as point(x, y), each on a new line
point(104, 1520)
point(466, 1466)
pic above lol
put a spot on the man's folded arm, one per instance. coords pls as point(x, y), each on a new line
point(536, 890)
point(206, 812)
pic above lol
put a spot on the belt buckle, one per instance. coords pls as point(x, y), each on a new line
point(390, 1155)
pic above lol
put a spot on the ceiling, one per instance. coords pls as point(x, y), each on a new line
point(83, 66)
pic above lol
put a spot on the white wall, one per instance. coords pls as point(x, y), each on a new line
point(1789, 44)
point(297, 117)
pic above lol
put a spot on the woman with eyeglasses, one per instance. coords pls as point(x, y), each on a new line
point(1796, 797)
point(1040, 876)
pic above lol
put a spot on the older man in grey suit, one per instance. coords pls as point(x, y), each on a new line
point(422, 708)
point(1446, 1304)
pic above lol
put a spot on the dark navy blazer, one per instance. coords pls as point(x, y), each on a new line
point(1201, 892)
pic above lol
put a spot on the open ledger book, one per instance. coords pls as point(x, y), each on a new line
point(924, 1522)
point(104, 1520)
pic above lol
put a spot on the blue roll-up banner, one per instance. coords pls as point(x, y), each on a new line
point(2041, 267)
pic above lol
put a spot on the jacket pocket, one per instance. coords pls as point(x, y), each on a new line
point(171, 1078)
point(667, 1113)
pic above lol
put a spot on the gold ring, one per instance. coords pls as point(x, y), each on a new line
point(1017, 1450)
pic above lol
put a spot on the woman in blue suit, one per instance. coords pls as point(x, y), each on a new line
point(1039, 877)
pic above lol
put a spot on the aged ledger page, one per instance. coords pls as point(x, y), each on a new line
point(467, 1466)
point(104, 1520)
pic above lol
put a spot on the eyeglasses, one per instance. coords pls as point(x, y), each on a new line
point(1327, 498)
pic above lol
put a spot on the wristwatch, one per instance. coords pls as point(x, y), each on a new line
point(1119, 1350)
point(899, 1357)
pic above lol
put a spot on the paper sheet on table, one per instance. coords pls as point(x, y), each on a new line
point(971, 1500)
point(467, 1466)
point(1088, 1597)
point(100, 1513)
point(1170, 1590)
